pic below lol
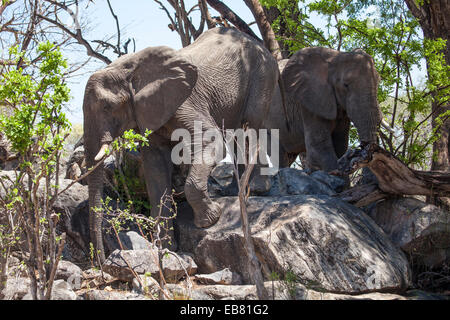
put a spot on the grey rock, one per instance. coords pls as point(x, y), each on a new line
point(421, 230)
point(16, 288)
point(146, 285)
point(290, 181)
point(93, 273)
point(314, 295)
point(335, 183)
point(61, 290)
point(113, 295)
point(16, 268)
point(323, 241)
point(146, 261)
point(130, 240)
point(69, 272)
point(277, 290)
point(225, 277)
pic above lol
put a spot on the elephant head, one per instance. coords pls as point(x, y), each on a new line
point(324, 80)
point(141, 90)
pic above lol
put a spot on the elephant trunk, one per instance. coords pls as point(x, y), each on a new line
point(93, 148)
point(366, 116)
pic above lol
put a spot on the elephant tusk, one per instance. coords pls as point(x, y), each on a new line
point(102, 152)
point(385, 125)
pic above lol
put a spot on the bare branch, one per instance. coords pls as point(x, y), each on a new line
point(79, 37)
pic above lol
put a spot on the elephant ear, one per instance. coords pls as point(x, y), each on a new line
point(162, 81)
point(306, 81)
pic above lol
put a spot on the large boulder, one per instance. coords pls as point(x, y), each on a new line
point(277, 290)
point(325, 242)
point(421, 230)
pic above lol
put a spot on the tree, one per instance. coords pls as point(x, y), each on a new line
point(181, 22)
point(433, 18)
point(36, 128)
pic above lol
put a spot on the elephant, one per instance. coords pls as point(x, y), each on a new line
point(325, 89)
point(225, 79)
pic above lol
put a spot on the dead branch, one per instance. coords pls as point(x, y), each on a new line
point(394, 177)
point(232, 17)
point(244, 191)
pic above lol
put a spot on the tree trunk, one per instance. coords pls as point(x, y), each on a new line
point(434, 18)
point(394, 177)
point(284, 31)
point(265, 28)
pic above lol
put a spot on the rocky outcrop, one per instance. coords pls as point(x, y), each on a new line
point(421, 230)
point(325, 242)
point(277, 290)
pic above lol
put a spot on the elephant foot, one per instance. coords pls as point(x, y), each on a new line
point(207, 218)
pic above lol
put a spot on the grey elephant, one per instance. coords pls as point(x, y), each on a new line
point(224, 79)
point(325, 90)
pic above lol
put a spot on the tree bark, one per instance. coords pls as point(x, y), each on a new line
point(434, 19)
point(394, 177)
point(265, 28)
point(284, 31)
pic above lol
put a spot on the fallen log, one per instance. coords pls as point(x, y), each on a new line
point(394, 177)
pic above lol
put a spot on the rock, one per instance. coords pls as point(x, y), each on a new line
point(323, 241)
point(93, 278)
point(421, 230)
point(76, 166)
point(61, 290)
point(313, 295)
point(146, 261)
point(16, 268)
point(225, 276)
point(422, 295)
point(9, 160)
point(277, 290)
point(130, 240)
point(112, 295)
point(223, 292)
point(16, 288)
point(333, 182)
point(290, 181)
point(146, 286)
point(69, 272)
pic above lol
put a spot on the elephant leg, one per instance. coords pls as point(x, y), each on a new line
point(206, 212)
point(158, 170)
point(340, 137)
point(320, 153)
